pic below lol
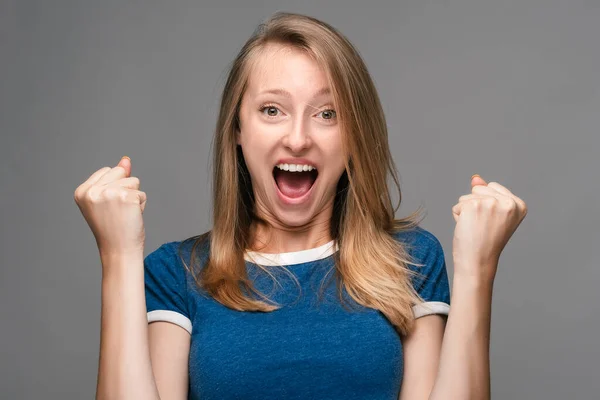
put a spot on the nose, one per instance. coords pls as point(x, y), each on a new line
point(298, 137)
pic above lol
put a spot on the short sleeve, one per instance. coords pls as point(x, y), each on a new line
point(166, 287)
point(432, 282)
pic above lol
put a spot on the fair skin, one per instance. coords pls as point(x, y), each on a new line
point(297, 122)
point(441, 359)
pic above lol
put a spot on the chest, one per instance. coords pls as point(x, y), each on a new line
point(312, 347)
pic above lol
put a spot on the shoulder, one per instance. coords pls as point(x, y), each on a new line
point(416, 234)
point(163, 264)
point(429, 265)
point(175, 255)
point(419, 243)
point(165, 250)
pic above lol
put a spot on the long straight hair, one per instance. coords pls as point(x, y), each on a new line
point(371, 264)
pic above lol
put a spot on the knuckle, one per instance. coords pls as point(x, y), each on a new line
point(507, 202)
point(510, 206)
point(490, 202)
point(522, 204)
point(111, 193)
point(92, 196)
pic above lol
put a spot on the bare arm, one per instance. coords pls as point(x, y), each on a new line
point(485, 221)
point(464, 371)
point(124, 370)
point(170, 351)
point(112, 205)
point(137, 360)
point(422, 349)
point(451, 362)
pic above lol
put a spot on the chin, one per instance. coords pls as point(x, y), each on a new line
point(294, 218)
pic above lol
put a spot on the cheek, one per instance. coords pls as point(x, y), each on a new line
point(257, 146)
point(333, 149)
point(256, 153)
point(254, 134)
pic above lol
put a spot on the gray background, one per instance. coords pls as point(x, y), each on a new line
point(506, 89)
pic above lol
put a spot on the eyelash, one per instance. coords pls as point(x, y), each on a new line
point(266, 106)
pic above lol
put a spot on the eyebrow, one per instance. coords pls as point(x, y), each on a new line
point(285, 93)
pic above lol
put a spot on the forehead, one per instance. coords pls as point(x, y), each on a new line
point(278, 66)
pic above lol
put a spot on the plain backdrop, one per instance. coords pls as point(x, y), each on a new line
point(506, 89)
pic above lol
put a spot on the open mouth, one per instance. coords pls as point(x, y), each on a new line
point(294, 184)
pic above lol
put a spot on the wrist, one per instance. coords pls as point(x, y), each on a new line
point(120, 255)
point(477, 282)
point(121, 265)
point(475, 270)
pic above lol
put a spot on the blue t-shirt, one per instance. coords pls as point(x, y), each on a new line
point(313, 347)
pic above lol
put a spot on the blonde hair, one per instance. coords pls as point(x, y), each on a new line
point(371, 264)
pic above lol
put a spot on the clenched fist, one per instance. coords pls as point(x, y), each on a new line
point(485, 220)
point(112, 205)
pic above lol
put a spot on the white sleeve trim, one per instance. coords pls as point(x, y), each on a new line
point(171, 316)
point(431, 307)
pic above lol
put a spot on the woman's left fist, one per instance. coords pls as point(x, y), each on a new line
point(485, 220)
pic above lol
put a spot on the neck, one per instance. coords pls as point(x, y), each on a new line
point(275, 237)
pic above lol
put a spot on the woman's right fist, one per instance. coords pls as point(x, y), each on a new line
point(112, 205)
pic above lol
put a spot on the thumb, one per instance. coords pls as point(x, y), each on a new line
point(477, 180)
point(456, 211)
point(126, 164)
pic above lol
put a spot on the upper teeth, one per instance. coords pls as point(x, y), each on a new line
point(295, 167)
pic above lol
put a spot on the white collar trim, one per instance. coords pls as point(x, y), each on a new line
point(293, 257)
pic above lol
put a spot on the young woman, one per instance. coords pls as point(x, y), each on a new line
point(307, 287)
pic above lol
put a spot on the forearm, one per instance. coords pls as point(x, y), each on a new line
point(464, 370)
point(124, 371)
